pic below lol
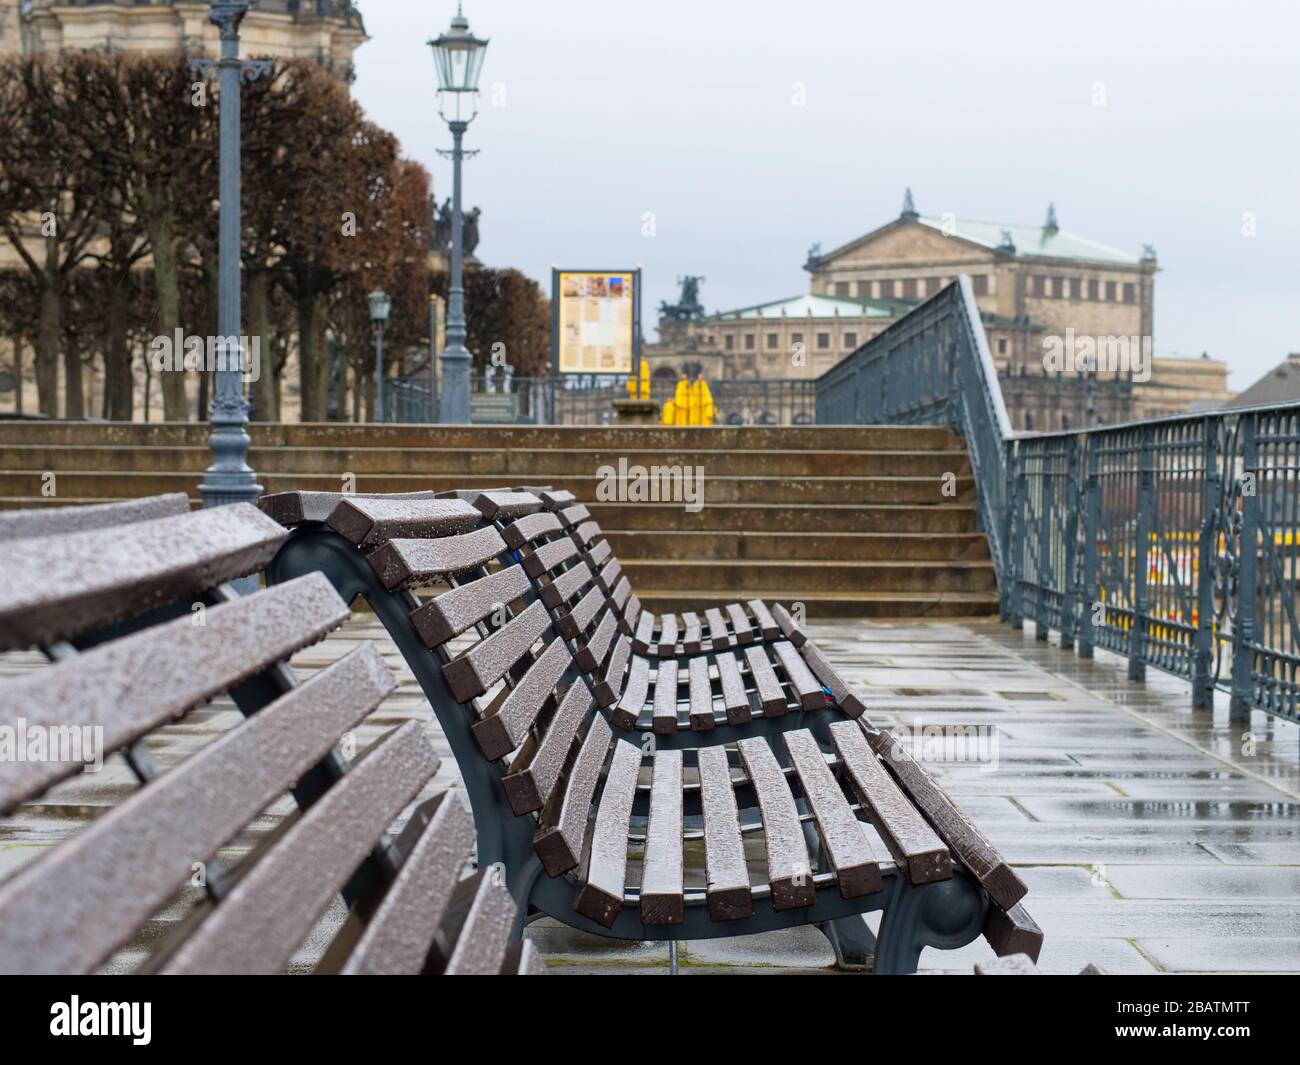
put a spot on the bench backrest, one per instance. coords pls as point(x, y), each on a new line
point(141, 626)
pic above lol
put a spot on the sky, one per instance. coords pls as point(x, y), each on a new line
point(724, 137)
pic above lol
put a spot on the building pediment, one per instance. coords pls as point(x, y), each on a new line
point(903, 240)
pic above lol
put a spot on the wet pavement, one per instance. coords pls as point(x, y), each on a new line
point(1153, 838)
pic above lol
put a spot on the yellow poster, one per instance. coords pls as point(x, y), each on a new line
point(595, 322)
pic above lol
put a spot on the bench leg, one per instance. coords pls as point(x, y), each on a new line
point(852, 940)
point(946, 914)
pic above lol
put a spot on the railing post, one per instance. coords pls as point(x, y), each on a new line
point(1070, 497)
point(1044, 548)
point(1243, 625)
point(1206, 551)
point(1091, 560)
point(1019, 506)
point(1145, 523)
point(1006, 520)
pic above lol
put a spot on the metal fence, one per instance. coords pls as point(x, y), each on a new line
point(589, 400)
point(1174, 542)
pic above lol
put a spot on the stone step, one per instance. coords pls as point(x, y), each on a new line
point(511, 465)
point(866, 604)
point(822, 546)
point(804, 577)
point(754, 490)
point(532, 438)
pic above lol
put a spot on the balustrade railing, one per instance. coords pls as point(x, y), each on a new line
point(1174, 542)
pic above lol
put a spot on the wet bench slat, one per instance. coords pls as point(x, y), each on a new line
point(566, 585)
point(573, 624)
point(402, 929)
point(483, 942)
point(768, 689)
point(906, 833)
point(728, 891)
point(292, 509)
point(533, 774)
point(662, 891)
point(591, 654)
point(700, 695)
point(767, 626)
point(366, 520)
point(856, 867)
point(735, 701)
point(719, 638)
point(645, 628)
point(668, 634)
point(90, 579)
point(963, 838)
point(68, 911)
point(505, 726)
point(130, 686)
point(787, 625)
point(664, 720)
point(632, 701)
point(410, 563)
point(600, 898)
point(476, 669)
point(740, 626)
point(789, 871)
point(831, 680)
point(1012, 931)
point(691, 644)
point(455, 610)
point(58, 521)
point(506, 506)
point(274, 905)
point(549, 556)
point(609, 688)
point(806, 687)
point(528, 529)
point(563, 828)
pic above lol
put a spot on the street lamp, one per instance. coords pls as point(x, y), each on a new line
point(229, 479)
point(458, 58)
point(380, 305)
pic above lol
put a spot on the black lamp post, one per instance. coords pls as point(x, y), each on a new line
point(458, 57)
point(380, 306)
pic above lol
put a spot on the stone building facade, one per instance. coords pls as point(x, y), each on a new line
point(326, 31)
point(1047, 297)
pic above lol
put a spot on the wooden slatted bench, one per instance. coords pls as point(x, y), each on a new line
point(598, 832)
point(132, 607)
point(731, 682)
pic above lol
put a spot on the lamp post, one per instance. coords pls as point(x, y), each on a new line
point(380, 305)
point(458, 57)
point(229, 479)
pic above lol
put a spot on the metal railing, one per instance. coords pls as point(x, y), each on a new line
point(1174, 542)
point(590, 400)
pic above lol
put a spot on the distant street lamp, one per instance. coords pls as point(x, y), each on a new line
point(380, 305)
point(458, 57)
point(229, 479)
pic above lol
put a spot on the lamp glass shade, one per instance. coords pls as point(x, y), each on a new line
point(380, 305)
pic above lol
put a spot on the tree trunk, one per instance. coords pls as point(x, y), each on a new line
point(119, 384)
point(309, 360)
point(74, 400)
point(266, 391)
point(47, 350)
point(162, 238)
point(18, 372)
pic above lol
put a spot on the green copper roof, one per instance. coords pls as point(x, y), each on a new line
point(1032, 240)
point(820, 307)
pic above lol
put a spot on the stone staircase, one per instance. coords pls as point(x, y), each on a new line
point(865, 521)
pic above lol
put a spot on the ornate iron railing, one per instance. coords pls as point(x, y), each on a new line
point(590, 401)
point(1174, 542)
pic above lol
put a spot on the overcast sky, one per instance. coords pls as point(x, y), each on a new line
point(597, 113)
